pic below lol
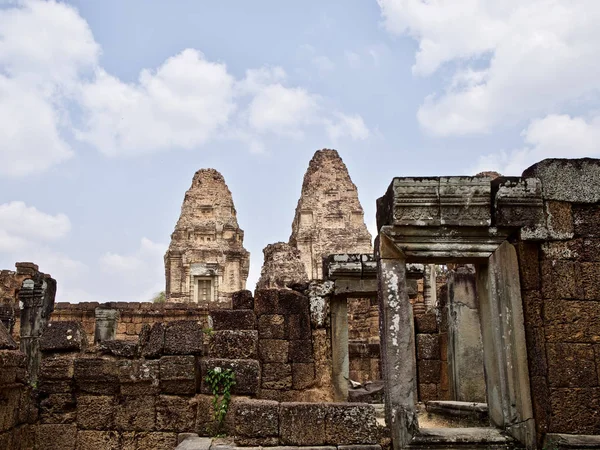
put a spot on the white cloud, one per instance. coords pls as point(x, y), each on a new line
point(554, 136)
point(352, 58)
point(52, 88)
point(323, 64)
point(136, 276)
point(282, 110)
point(181, 105)
point(347, 126)
point(44, 48)
point(21, 223)
point(512, 60)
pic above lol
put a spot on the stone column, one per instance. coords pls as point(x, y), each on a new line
point(465, 347)
point(339, 346)
point(429, 287)
point(37, 303)
point(397, 345)
point(106, 324)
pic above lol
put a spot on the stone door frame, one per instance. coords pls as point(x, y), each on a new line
point(466, 220)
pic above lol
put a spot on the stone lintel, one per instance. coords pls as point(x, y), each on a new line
point(444, 244)
point(518, 202)
point(354, 287)
point(436, 201)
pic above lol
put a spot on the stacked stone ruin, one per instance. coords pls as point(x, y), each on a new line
point(514, 257)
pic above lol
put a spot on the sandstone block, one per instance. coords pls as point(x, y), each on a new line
point(574, 411)
point(276, 376)
point(428, 346)
point(56, 436)
point(427, 323)
point(301, 351)
point(272, 326)
point(6, 340)
point(136, 413)
point(247, 374)
point(303, 424)
point(96, 376)
point(152, 340)
point(571, 365)
point(63, 336)
point(590, 278)
point(560, 279)
point(123, 349)
point(242, 300)
point(529, 266)
point(532, 308)
point(572, 321)
point(266, 301)
point(429, 371)
point(351, 423)
point(428, 391)
point(95, 412)
point(183, 337)
point(55, 387)
point(10, 401)
point(178, 375)
point(175, 413)
point(559, 219)
point(234, 344)
point(273, 350)
point(303, 375)
point(58, 408)
point(586, 220)
point(536, 351)
point(256, 422)
point(94, 440)
point(292, 302)
point(156, 441)
point(299, 326)
point(139, 377)
point(237, 319)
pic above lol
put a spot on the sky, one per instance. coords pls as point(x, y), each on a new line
point(108, 108)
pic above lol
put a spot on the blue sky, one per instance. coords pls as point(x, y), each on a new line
point(110, 107)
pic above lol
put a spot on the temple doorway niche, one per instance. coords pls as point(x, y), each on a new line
point(449, 348)
point(443, 220)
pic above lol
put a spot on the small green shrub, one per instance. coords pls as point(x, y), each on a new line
point(220, 382)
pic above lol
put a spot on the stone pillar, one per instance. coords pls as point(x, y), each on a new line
point(397, 345)
point(339, 347)
point(106, 325)
point(37, 303)
point(429, 287)
point(465, 347)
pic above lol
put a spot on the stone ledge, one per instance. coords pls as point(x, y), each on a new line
point(571, 441)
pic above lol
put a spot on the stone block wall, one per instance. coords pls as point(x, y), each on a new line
point(560, 281)
point(130, 316)
point(18, 411)
point(363, 339)
point(432, 363)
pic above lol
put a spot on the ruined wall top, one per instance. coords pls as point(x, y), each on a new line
point(282, 267)
point(329, 217)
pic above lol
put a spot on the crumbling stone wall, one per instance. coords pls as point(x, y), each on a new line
point(125, 394)
point(130, 316)
point(560, 283)
point(10, 284)
point(363, 339)
point(17, 403)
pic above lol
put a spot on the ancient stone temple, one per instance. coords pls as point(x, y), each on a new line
point(206, 260)
point(282, 267)
point(329, 218)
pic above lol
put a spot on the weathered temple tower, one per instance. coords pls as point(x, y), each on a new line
point(206, 260)
point(329, 218)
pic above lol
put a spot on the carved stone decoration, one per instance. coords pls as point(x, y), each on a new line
point(329, 217)
point(206, 261)
point(282, 267)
